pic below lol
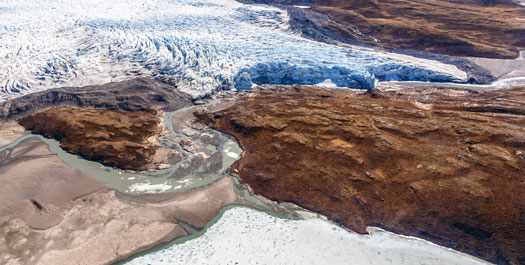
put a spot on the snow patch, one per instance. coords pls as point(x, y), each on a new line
point(313, 241)
point(233, 155)
point(327, 83)
point(520, 2)
point(520, 57)
point(149, 188)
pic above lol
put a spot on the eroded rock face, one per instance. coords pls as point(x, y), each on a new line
point(126, 140)
point(462, 28)
point(445, 165)
point(131, 95)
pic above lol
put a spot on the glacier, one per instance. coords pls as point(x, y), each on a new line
point(246, 236)
point(198, 46)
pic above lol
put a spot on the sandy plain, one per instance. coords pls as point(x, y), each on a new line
point(51, 213)
point(10, 131)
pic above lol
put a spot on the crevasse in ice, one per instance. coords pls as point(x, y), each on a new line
point(199, 46)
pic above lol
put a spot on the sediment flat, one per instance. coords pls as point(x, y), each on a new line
point(51, 213)
point(9, 132)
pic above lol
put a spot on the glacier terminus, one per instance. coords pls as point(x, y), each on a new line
point(198, 46)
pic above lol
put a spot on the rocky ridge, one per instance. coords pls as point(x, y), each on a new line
point(131, 95)
point(446, 165)
point(476, 28)
point(127, 140)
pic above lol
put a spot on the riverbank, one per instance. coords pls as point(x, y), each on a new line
point(350, 155)
point(51, 213)
point(190, 195)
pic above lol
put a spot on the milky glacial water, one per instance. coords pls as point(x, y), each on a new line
point(229, 238)
point(160, 181)
point(115, 178)
point(201, 46)
point(239, 235)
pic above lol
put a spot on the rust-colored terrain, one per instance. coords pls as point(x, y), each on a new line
point(441, 164)
point(126, 140)
point(493, 28)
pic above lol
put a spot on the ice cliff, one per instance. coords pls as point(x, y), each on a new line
point(199, 46)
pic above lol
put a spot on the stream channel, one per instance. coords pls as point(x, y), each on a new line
point(205, 157)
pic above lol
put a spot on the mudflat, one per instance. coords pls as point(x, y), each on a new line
point(446, 165)
point(9, 132)
point(51, 213)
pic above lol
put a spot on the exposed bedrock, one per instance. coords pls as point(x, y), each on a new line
point(167, 43)
point(132, 95)
point(460, 28)
point(309, 23)
point(441, 164)
point(127, 140)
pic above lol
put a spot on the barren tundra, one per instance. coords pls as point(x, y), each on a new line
point(370, 113)
point(441, 164)
point(493, 28)
point(128, 140)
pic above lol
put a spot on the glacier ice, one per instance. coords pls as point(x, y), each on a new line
point(199, 46)
point(313, 241)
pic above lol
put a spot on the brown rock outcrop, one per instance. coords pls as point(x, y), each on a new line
point(463, 28)
point(445, 165)
point(130, 95)
point(479, 28)
point(126, 140)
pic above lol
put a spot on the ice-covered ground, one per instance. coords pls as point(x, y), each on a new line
point(198, 45)
point(245, 236)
